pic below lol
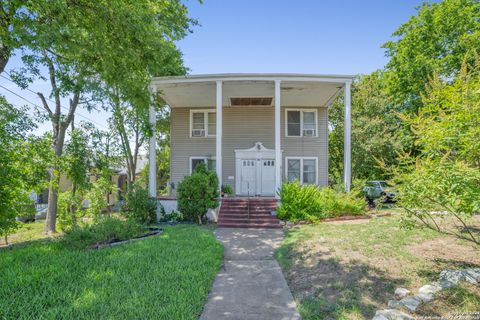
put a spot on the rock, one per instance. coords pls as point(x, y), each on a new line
point(472, 275)
point(424, 297)
point(410, 303)
point(401, 293)
point(391, 314)
point(451, 278)
point(430, 289)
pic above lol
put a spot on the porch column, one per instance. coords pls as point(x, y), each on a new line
point(347, 152)
point(278, 151)
point(218, 138)
point(152, 154)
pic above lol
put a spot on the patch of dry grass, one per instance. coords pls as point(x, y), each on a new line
point(347, 270)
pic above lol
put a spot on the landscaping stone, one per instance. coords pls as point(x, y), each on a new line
point(401, 293)
point(391, 314)
point(447, 279)
point(424, 297)
point(410, 303)
point(430, 289)
point(472, 275)
point(451, 278)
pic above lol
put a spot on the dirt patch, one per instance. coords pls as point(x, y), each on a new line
point(447, 249)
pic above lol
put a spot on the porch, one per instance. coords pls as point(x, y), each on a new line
point(254, 160)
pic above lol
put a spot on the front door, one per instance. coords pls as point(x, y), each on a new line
point(257, 177)
point(248, 177)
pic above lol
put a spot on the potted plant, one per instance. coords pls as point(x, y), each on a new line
point(226, 190)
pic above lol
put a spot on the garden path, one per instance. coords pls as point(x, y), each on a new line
point(250, 284)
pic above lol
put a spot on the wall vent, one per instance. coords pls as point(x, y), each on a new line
point(251, 101)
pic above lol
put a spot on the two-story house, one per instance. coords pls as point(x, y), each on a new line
point(254, 130)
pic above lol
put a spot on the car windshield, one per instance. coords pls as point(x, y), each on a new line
point(383, 184)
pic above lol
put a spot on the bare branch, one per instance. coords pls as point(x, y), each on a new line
point(73, 107)
point(45, 104)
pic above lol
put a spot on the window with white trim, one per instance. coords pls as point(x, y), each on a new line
point(303, 170)
point(203, 123)
point(301, 123)
point(209, 162)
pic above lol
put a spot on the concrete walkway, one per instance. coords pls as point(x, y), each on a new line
point(250, 285)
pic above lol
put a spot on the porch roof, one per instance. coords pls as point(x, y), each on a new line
point(297, 90)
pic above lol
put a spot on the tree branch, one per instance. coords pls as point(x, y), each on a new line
point(45, 104)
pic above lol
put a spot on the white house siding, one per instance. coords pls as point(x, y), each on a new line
point(242, 127)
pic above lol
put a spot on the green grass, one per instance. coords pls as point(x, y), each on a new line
point(163, 277)
point(349, 270)
point(27, 232)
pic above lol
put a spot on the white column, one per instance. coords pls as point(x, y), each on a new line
point(278, 150)
point(218, 138)
point(347, 152)
point(152, 154)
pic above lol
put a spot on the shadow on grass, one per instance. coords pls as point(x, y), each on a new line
point(327, 287)
point(161, 277)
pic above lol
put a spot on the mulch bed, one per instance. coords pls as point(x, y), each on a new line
point(115, 242)
point(344, 218)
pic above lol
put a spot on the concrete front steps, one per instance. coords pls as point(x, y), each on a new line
point(248, 213)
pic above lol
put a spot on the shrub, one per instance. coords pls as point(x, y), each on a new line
point(105, 230)
point(428, 186)
point(69, 209)
point(197, 193)
point(139, 206)
point(226, 189)
point(311, 203)
point(97, 196)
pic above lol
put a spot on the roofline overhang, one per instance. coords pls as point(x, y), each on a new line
point(299, 77)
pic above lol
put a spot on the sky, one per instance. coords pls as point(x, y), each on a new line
point(303, 36)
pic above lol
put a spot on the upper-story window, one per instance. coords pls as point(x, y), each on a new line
point(203, 123)
point(301, 123)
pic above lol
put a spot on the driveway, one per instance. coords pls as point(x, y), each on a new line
point(250, 284)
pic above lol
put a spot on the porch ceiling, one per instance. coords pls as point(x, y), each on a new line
point(297, 90)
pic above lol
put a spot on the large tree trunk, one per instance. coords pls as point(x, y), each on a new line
point(50, 223)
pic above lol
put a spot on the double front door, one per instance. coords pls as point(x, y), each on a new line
point(257, 177)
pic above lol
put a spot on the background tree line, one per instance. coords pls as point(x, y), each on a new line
point(94, 55)
point(416, 121)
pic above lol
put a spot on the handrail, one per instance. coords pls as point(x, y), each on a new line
point(248, 209)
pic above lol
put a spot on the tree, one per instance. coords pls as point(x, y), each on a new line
point(77, 44)
point(445, 175)
point(433, 41)
point(375, 128)
point(76, 164)
point(22, 168)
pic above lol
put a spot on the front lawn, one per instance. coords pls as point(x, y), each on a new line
point(348, 270)
point(162, 277)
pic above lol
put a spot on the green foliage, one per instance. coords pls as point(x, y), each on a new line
point(227, 189)
point(21, 165)
point(163, 168)
point(197, 193)
point(444, 176)
point(448, 125)
point(69, 209)
point(435, 40)
point(139, 206)
point(376, 131)
point(311, 203)
point(77, 160)
point(97, 196)
point(105, 230)
point(184, 260)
